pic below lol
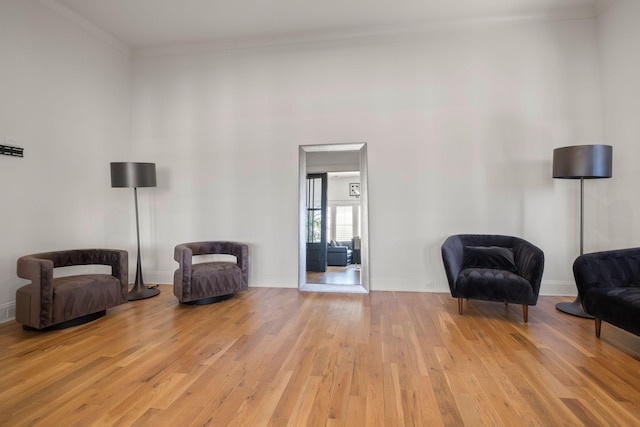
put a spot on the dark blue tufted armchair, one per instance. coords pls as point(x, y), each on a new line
point(493, 268)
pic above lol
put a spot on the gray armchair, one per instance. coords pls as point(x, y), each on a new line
point(493, 268)
point(56, 303)
point(339, 254)
point(211, 281)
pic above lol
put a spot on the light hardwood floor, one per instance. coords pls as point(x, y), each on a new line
point(349, 275)
point(277, 357)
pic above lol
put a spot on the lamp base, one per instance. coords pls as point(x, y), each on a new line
point(141, 292)
point(574, 308)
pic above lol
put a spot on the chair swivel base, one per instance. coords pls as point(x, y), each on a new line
point(210, 300)
point(141, 292)
point(69, 323)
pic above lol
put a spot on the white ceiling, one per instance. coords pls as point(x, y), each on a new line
point(141, 24)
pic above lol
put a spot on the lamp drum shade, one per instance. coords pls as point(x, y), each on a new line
point(132, 174)
point(583, 161)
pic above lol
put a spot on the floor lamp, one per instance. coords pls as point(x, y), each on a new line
point(130, 174)
point(581, 162)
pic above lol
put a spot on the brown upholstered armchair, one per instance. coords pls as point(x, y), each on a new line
point(210, 281)
point(56, 303)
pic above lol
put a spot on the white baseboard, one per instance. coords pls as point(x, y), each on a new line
point(558, 288)
point(402, 284)
point(547, 287)
point(7, 312)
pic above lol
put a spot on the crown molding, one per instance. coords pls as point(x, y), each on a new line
point(566, 14)
point(86, 25)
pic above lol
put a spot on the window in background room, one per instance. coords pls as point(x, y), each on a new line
point(344, 222)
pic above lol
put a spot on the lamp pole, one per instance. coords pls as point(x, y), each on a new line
point(575, 307)
point(581, 215)
point(139, 280)
point(134, 175)
point(139, 290)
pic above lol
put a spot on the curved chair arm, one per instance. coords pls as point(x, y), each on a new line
point(607, 269)
point(183, 254)
point(38, 268)
point(530, 262)
point(40, 272)
point(452, 258)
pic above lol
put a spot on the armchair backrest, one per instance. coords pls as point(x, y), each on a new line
point(610, 269)
point(36, 267)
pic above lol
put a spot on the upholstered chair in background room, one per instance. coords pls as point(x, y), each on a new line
point(493, 268)
point(225, 270)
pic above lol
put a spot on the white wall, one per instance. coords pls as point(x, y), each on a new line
point(460, 126)
point(65, 97)
point(618, 38)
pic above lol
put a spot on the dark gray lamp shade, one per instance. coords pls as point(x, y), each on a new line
point(132, 174)
point(583, 161)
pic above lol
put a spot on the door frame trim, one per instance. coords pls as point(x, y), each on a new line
point(364, 286)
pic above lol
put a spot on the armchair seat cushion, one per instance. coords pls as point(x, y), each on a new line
point(77, 296)
point(210, 279)
point(85, 293)
point(493, 285)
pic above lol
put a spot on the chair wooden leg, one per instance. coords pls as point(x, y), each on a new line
point(525, 312)
point(598, 327)
point(459, 305)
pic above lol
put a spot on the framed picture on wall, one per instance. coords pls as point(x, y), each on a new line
point(354, 189)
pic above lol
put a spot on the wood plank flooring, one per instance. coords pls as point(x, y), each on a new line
point(278, 357)
point(349, 275)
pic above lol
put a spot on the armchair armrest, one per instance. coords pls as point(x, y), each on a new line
point(452, 257)
point(183, 255)
point(40, 272)
point(530, 262)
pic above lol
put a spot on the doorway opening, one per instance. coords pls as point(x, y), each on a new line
point(333, 237)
